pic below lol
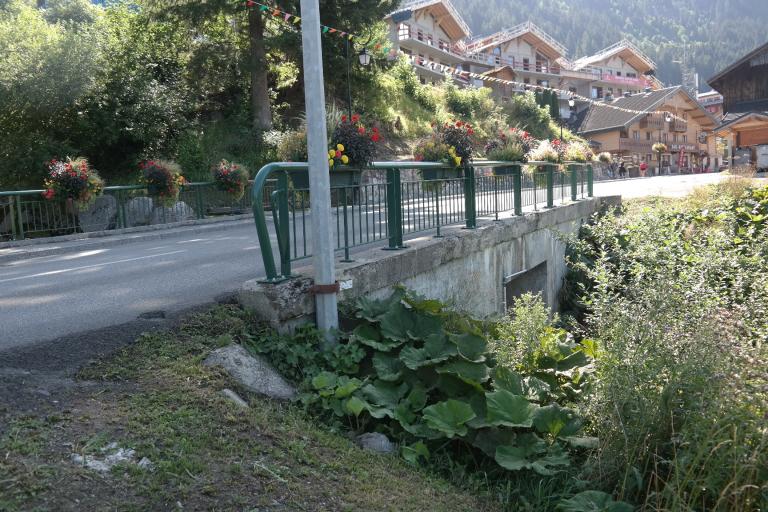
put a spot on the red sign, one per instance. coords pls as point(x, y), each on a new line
point(680, 159)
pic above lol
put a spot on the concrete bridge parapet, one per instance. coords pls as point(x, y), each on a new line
point(475, 271)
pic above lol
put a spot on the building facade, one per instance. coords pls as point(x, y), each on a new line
point(432, 33)
point(687, 133)
point(744, 124)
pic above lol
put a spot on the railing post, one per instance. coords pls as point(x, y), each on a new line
point(550, 170)
point(283, 228)
point(346, 226)
point(19, 218)
point(495, 196)
point(438, 187)
point(517, 185)
point(590, 181)
point(574, 170)
point(394, 211)
point(469, 198)
point(199, 201)
point(120, 212)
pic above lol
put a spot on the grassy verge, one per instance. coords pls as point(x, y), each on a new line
point(207, 454)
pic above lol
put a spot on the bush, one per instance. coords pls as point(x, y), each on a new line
point(523, 112)
point(163, 180)
point(293, 147)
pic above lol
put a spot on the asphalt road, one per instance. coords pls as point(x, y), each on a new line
point(47, 297)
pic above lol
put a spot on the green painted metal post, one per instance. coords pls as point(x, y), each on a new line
point(12, 213)
point(470, 211)
point(394, 211)
point(550, 170)
point(283, 228)
point(574, 170)
point(590, 181)
point(19, 218)
point(199, 200)
point(517, 184)
point(346, 226)
point(437, 209)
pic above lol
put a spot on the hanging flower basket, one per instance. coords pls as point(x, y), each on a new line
point(75, 182)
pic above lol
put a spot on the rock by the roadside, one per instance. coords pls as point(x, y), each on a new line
point(252, 372)
point(234, 397)
point(100, 216)
point(179, 212)
point(138, 211)
point(375, 442)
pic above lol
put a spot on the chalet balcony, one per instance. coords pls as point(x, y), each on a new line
point(678, 125)
point(635, 145)
point(422, 42)
point(652, 122)
point(516, 64)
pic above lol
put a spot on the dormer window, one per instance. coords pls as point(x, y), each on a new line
point(403, 31)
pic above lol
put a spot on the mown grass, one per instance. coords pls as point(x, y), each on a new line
point(206, 452)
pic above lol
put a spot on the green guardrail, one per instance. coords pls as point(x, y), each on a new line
point(400, 199)
point(25, 213)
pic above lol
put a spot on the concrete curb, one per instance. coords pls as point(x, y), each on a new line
point(22, 249)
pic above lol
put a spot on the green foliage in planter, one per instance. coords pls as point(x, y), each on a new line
point(429, 380)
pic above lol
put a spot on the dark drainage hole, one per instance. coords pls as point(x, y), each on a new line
point(152, 315)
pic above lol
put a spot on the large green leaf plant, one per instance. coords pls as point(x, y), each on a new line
point(429, 381)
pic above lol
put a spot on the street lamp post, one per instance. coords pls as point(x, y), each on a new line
point(365, 59)
point(571, 105)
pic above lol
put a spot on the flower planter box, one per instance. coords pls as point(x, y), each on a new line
point(340, 177)
point(440, 174)
point(505, 171)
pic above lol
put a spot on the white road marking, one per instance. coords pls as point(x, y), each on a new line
point(61, 271)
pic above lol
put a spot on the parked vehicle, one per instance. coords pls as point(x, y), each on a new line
point(761, 157)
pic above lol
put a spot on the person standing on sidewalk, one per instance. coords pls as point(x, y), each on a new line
point(622, 169)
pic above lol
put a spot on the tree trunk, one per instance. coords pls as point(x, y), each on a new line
point(262, 114)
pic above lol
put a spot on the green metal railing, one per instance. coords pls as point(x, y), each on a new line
point(388, 201)
point(26, 214)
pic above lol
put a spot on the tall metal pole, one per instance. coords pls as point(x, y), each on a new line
point(349, 81)
point(319, 181)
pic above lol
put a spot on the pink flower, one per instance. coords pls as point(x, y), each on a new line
point(338, 154)
point(361, 130)
point(355, 118)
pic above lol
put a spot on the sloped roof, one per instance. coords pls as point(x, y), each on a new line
point(624, 49)
point(599, 118)
point(527, 30)
point(749, 56)
point(457, 28)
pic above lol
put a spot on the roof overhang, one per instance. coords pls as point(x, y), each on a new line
point(624, 50)
point(445, 15)
point(751, 121)
point(712, 81)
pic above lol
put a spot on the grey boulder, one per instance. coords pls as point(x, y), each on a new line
point(252, 372)
point(100, 216)
point(138, 211)
point(179, 212)
point(375, 442)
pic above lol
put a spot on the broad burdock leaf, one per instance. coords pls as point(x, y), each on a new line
point(413, 452)
point(373, 310)
point(556, 420)
point(424, 325)
point(449, 417)
point(346, 386)
point(471, 373)
point(530, 452)
point(471, 346)
point(396, 323)
point(388, 367)
point(436, 349)
point(386, 394)
point(535, 389)
point(368, 335)
point(324, 380)
point(507, 409)
point(417, 398)
point(354, 406)
point(504, 378)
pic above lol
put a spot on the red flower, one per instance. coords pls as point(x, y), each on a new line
point(375, 137)
point(470, 131)
point(418, 158)
point(355, 118)
point(338, 154)
point(344, 118)
point(458, 124)
point(250, 3)
point(525, 134)
point(361, 130)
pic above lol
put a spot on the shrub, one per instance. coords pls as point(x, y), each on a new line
point(578, 152)
point(433, 150)
point(545, 151)
point(605, 157)
point(458, 135)
point(293, 147)
point(659, 147)
point(163, 180)
point(511, 146)
point(522, 111)
point(231, 178)
point(74, 180)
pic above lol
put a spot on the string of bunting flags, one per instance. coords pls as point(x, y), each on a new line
point(294, 20)
point(288, 17)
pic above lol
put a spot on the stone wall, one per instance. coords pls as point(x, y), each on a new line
point(467, 269)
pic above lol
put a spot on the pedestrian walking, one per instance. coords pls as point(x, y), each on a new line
point(622, 170)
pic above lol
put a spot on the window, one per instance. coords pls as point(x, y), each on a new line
point(526, 64)
point(430, 42)
point(443, 45)
point(685, 138)
point(674, 137)
point(422, 80)
point(420, 35)
point(647, 135)
point(636, 135)
point(648, 157)
point(631, 75)
point(618, 73)
point(403, 31)
point(572, 89)
point(544, 83)
point(664, 138)
point(597, 92)
point(526, 80)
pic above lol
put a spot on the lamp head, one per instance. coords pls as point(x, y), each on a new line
point(365, 57)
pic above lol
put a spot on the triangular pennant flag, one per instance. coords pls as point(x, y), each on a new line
point(350, 36)
point(325, 29)
point(296, 20)
point(263, 8)
point(287, 16)
point(276, 12)
point(250, 3)
point(377, 46)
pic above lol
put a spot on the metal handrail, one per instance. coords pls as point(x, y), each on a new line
point(394, 202)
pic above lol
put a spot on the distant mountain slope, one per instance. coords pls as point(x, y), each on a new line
point(716, 31)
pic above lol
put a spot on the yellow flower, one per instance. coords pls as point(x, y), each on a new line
point(340, 147)
point(331, 153)
point(344, 159)
point(457, 159)
point(330, 162)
